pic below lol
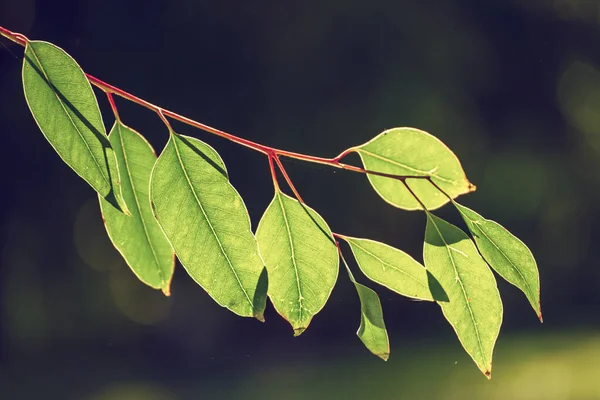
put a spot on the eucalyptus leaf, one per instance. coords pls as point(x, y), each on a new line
point(301, 258)
point(474, 308)
point(391, 268)
point(206, 222)
point(138, 237)
point(64, 106)
point(504, 252)
point(412, 152)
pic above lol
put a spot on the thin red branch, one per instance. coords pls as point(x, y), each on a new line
point(267, 150)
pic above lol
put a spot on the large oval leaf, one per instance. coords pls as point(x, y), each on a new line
point(65, 108)
point(391, 268)
point(207, 223)
point(138, 237)
point(474, 308)
point(509, 256)
point(409, 151)
point(301, 258)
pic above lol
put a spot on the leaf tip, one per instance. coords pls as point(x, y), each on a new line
point(471, 187)
point(488, 374)
point(383, 356)
point(166, 290)
point(540, 317)
point(260, 316)
point(298, 331)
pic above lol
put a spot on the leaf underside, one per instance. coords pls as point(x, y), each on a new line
point(65, 108)
point(474, 308)
point(208, 226)
point(412, 152)
point(138, 237)
point(506, 254)
point(301, 258)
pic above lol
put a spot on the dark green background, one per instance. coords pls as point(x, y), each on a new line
point(512, 86)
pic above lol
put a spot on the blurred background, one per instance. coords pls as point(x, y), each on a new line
point(512, 86)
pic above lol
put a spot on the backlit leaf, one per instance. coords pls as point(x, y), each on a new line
point(372, 331)
point(409, 151)
point(474, 308)
point(509, 256)
point(138, 237)
point(301, 258)
point(391, 268)
point(207, 223)
point(65, 108)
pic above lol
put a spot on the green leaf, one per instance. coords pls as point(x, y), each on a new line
point(391, 268)
point(372, 331)
point(301, 258)
point(207, 224)
point(138, 237)
point(509, 256)
point(65, 108)
point(409, 151)
point(474, 308)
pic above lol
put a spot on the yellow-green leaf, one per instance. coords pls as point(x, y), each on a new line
point(474, 308)
point(412, 152)
point(138, 237)
point(301, 259)
point(509, 256)
point(391, 268)
point(64, 106)
point(207, 223)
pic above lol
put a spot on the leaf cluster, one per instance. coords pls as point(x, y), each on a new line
point(182, 205)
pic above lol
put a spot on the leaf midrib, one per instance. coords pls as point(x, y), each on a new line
point(464, 292)
point(173, 138)
point(137, 204)
point(106, 179)
point(399, 164)
point(287, 226)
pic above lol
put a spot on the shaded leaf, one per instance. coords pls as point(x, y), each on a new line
point(391, 268)
point(64, 106)
point(508, 255)
point(207, 224)
point(474, 308)
point(409, 151)
point(138, 237)
point(301, 258)
point(372, 331)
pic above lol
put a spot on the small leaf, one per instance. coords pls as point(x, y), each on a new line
point(207, 224)
point(409, 151)
point(138, 237)
point(301, 259)
point(391, 268)
point(509, 256)
point(372, 331)
point(474, 308)
point(65, 108)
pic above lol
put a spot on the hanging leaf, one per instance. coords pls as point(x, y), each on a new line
point(509, 256)
point(372, 331)
point(409, 151)
point(138, 237)
point(65, 108)
point(301, 259)
point(474, 308)
point(391, 268)
point(207, 224)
